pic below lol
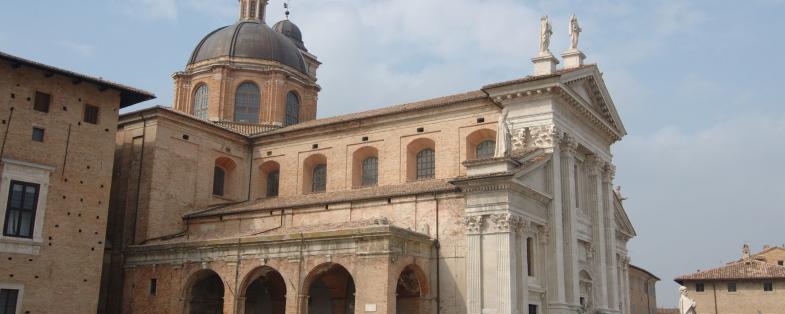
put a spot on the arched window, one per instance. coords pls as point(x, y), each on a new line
point(319, 183)
point(292, 109)
point(246, 103)
point(272, 184)
point(426, 164)
point(200, 102)
point(219, 176)
point(486, 149)
point(370, 171)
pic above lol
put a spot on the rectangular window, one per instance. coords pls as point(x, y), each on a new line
point(768, 286)
point(38, 134)
point(42, 101)
point(153, 286)
point(272, 184)
point(8, 300)
point(532, 308)
point(699, 287)
point(20, 212)
point(732, 287)
point(90, 114)
point(781, 263)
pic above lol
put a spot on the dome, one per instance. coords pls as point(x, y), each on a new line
point(249, 39)
point(290, 30)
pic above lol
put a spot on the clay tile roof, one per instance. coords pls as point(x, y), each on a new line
point(246, 128)
point(128, 95)
point(409, 188)
point(743, 270)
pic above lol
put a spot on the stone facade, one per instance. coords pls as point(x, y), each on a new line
point(643, 295)
point(211, 215)
point(56, 268)
point(754, 284)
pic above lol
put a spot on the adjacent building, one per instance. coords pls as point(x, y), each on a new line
point(754, 284)
point(57, 133)
point(643, 295)
point(238, 200)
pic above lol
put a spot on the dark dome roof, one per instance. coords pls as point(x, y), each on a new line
point(249, 39)
point(289, 29)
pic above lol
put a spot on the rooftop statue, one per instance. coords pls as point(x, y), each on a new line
point(575, 31)
point(502, 136)
point(545, 35)
point(686, 305)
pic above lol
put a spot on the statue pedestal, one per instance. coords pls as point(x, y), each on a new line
point(573, 58)
point(544, 64)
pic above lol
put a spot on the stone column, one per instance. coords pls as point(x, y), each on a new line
point(505, 273)
point(609, 171)
point(572, 286)
point(598, 231)
point(523, 231)
point(473, 263)
point(555, 252)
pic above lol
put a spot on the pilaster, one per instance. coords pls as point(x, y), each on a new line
point(473, 263)
point(594, 165)
point(568, 148)
point(555, 269)
point(609, 171)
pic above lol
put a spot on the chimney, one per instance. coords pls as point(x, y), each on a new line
point(766, 247)
point(745, 251)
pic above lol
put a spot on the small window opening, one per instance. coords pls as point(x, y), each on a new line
point(315, 146)
point(420, 130)
point(186, 137)
point(42, 101)
point(365, 138)
point(700, 287)
point(153, 286)
point(38, 134)
point(90, 114)
point(480, 120)
point(768, 286)
point(732, 287)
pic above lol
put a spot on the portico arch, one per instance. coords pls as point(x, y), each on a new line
point(204, 293)
point(411, 288)
point(264, 292)
point(330, 290)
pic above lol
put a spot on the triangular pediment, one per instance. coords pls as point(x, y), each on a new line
point(588, 89)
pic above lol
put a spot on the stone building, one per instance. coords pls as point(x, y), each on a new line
point(238, 200)
point(643, 295)
point(57, 131)
point(755, 284)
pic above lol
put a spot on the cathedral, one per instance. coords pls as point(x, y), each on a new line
point(237, 199)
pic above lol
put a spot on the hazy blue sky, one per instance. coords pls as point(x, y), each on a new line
point(699, 85)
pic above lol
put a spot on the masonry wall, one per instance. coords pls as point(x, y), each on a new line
point(748, 299)
point(59, 272)
point(643, 298)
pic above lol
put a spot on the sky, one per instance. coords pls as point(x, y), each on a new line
point(698, 85)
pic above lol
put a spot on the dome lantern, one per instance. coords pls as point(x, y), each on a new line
point(253, 10)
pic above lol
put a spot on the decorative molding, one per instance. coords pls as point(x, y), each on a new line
point(506, 221)
point(609, 172)
point(472, 223)
point(595, 165)
point(590, 251)
point(544, 234)
point(539, 136)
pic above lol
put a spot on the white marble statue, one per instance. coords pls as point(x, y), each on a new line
point(545, 35)
point(575, 31)
point(686, 305)
point(503, 136)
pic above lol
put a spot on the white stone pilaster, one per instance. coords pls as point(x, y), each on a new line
point(599, 235)
point(609, 172)
point(555, 249)
point(568, 147)
point(473, 263)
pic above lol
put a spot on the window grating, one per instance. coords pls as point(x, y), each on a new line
point(292, 109)
point(370, 171)
point(8, 300)
point(90, 114)
point(426, 165)
point(246, 103)
point(486, 149)
point(20, 211)
point(272, 184)
point(201, 104)
point(319, 180)
point(218, 181)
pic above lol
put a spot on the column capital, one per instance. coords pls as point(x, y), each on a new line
point(473, 224)
point(544, 233)
point(504, 222)
point(595, 165)
point(568, 145)
point(609, 172)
